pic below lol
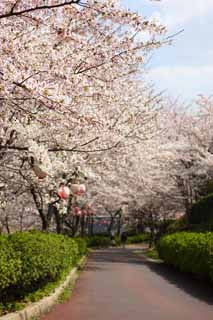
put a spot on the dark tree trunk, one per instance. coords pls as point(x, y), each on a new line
point(45, 218)
point(152, 228)
point(112, 220)
point(82, 226)
point(91, 225)
point(58, 220)
point(45, 225)
point(7, 225)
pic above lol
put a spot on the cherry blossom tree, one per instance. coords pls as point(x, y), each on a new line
point(68, 92)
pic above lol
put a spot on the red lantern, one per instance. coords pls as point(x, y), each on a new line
point(64, 192)
point(77, 211)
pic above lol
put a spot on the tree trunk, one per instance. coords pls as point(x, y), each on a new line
point(58, 221)
point(44, 220)
point(45, 225)
point(82, 226)
point(7, 225)
point(152, 233)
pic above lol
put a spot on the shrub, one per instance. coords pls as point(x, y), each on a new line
point(117, 241)
point(153, 254)
point(178, 225)
point(139, 238)
point(29, 260)
point(189, 252)
point(98, 241)
point(10, 264)
point(43, 256)
point(82, 245)
point(201, 213)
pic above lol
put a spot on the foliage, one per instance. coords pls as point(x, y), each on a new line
point(69, 87)
point(117, 241)
point(153, 254)
point(32, 263)
point(82, 246)
point(10, 264)
point(163, 225)
point(178, 225)
point(143, 237)
point(206, 189)
point(98, 241)
point(104, 241)
point(201, 213)
point(188, 252)
point(72, 96)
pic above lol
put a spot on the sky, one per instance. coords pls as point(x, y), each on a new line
point(185, 68)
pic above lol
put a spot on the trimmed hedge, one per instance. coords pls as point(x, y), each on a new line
point(103, 241)
point(188, 252)
point(138, 238)
point(98, 241)
point(178, 225)
point(29, 260)
point(201, 213)
point(82, 246)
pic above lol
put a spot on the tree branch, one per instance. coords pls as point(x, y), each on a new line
point(18, 13)
point(60, 149)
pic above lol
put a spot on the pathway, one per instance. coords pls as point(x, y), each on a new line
point(117, 284)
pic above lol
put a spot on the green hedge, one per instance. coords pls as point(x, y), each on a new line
point(139, 238)
point(103, 241)
point(82, 245)
point(98, 241)
point(188, 252)
point(178, 225)
point(201, 213)
point(29, 260)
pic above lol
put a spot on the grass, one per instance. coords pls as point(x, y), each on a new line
point(152, 253)
point(67, 292)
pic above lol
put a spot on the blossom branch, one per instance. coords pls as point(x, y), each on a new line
point(18, 13)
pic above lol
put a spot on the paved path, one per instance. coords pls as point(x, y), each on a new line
point(119, 285)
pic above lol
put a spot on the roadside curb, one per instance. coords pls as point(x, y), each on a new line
point(41, 307)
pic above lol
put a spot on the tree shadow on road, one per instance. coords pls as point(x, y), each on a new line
point(195, 287)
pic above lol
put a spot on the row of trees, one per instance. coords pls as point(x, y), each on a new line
point(74, 109)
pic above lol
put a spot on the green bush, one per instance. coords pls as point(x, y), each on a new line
point(178, 225)
point(82, 245)
point(10, 264)
point(189, 252)
point(139, 238)
point(98, 241)
point(153, 254)
point(30, 260)
point(201, 213)
point(117, 241)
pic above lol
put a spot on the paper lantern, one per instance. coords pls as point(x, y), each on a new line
point(77, 211)
point(39, 172)
point(64, 192)
point(78, 189)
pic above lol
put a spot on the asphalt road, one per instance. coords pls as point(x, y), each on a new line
point(118, 284)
